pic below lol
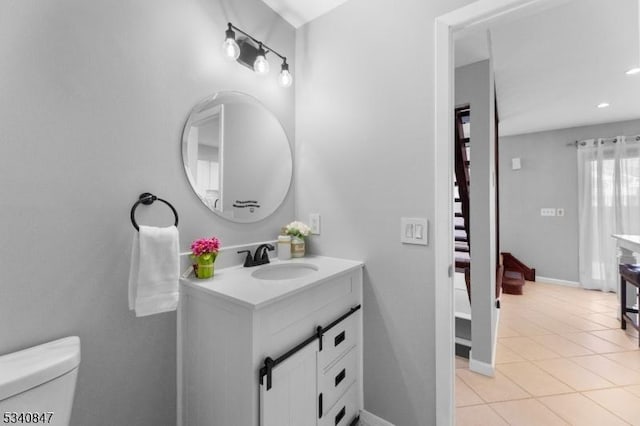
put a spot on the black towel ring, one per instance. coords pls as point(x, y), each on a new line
point(147, 199)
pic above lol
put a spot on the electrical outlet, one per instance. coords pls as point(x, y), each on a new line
point(516, 164)
point(560, 212)
point(547, 212)
point(314, 223)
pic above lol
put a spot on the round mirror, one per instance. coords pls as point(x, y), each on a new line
point(237, 157)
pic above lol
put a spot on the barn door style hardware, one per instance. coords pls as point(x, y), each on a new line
point(270, 363)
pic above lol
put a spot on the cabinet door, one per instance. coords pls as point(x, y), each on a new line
point(292, 400)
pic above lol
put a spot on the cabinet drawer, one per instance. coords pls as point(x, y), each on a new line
point(335, 342)
point(336, 380)
point(344, 411)
point(309, 304)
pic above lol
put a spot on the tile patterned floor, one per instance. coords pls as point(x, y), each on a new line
point(561, 360)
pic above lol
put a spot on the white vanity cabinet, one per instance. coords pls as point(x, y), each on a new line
point(229, 326)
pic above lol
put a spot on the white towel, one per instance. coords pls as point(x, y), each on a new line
point(155, 270)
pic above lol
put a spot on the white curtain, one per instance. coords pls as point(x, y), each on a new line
point(608, 203)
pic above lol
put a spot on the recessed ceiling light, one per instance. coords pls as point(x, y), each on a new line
point(633, 71)
point(603, 105)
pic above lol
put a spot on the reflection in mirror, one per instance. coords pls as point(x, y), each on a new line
point(204, 156)
point(237, 157)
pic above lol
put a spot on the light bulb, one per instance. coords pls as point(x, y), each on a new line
point(633, 71)
point(230, 47)
point(285, 76)
point(261, 65)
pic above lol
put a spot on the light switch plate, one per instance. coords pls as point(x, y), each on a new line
point(560, 212)
point(414, 230)
point(314, 223)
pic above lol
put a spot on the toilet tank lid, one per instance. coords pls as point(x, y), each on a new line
point(25, 369)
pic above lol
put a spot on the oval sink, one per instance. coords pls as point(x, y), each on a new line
point(284, 271)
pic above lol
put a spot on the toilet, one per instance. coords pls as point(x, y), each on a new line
point(38, 381)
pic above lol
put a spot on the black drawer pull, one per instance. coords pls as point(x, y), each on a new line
point(340, 377)
point(339, 339)
point(341, 415)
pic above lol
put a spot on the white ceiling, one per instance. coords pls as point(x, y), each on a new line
point(554, 67)
point(299, 12)
point(472, 48)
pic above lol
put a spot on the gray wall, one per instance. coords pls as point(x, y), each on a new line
point(94, 97)
point(548, 178)
point(365, 154)
point(474, 86)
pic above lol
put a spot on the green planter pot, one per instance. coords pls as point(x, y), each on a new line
point(205, 265)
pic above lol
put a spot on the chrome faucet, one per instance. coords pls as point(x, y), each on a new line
point(260, 257)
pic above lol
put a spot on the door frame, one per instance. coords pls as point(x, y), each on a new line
point(476, 16)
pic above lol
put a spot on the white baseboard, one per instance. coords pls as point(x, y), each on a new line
point(557, 281)
point(373, 420)
point(481, 367)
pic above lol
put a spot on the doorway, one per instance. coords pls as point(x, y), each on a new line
point(474, 17)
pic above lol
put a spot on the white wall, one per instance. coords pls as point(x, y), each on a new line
point(364, 152)
point(474, 86)
point(548, 178)
point(94, 98)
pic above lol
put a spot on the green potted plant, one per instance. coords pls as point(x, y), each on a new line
point(205, 251)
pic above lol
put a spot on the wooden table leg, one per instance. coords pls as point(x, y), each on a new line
point(623, 303)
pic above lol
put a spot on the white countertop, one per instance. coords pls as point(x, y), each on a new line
point(630, 242)
point(237, 285)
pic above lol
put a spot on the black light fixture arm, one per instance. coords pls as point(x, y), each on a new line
point(255, 40)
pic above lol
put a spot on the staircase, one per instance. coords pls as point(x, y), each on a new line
point(515, 274)
point(461, 189)
point(510, 272)
point(462, 225)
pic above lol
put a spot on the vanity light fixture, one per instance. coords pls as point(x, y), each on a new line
point(245, 53)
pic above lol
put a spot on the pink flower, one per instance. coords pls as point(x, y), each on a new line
point(205, 245)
